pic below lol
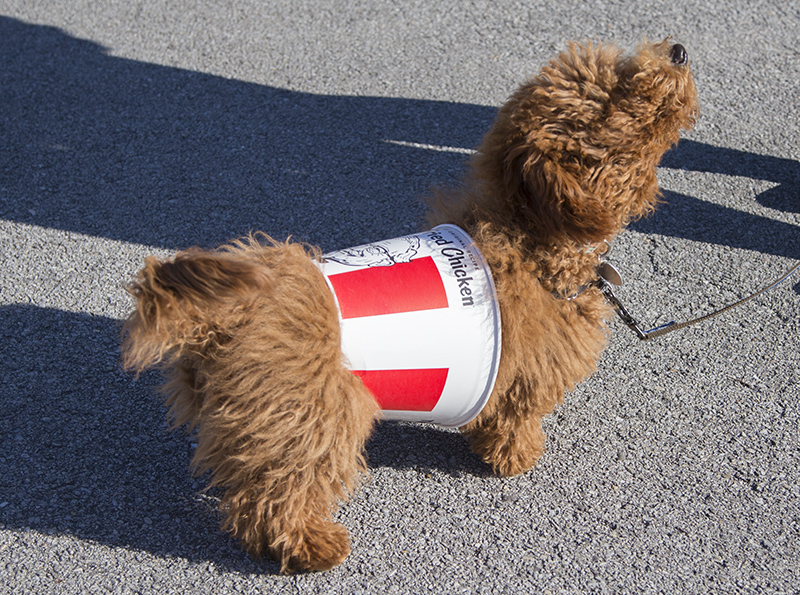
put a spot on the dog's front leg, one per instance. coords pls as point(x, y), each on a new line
point(507, 438)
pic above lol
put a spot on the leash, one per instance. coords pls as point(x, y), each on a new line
point(609, 276)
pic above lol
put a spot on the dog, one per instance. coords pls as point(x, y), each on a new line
point(249, 334)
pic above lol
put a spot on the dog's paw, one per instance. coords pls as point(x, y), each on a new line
point(508, 452)
point(510, 461)
point(319, 548)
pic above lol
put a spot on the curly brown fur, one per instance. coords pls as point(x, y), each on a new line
point(249, 334)
point(569, 161)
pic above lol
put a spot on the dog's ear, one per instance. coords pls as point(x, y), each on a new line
point(557, 202)
point(549, 134)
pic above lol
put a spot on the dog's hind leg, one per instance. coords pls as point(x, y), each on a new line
point(283, 422)
point(301, 533)
point(285, 464)
point(250, 338)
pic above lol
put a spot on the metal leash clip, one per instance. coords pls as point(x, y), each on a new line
point(608, 275)
point(626, 317)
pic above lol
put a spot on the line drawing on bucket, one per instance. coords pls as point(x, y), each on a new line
point(420, 323)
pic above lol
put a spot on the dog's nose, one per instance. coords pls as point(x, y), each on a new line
point(678, 55)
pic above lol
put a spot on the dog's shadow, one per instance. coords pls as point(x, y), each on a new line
point(85, 449)
point(687, 217)
point(423, 447)
point(142, 153)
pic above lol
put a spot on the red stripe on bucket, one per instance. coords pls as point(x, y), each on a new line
point(402, 287)
point(405, 390)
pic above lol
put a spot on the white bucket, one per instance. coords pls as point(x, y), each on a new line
point(420, 323)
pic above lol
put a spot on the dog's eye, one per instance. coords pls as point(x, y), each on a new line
point(678, 55)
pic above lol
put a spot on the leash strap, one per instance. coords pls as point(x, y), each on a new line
point(633, 324)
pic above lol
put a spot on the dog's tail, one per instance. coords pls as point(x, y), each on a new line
point(188, 302)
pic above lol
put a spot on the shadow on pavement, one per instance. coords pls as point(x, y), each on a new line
point(160, 156)
point(85, 451)
point(690, 218)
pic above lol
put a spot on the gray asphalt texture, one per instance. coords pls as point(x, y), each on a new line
point(130, 128)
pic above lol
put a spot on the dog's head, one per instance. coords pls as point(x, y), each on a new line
point(574, 150)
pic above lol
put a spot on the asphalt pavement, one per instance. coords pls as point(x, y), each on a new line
point(140, 127)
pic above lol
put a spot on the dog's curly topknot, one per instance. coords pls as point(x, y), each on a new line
point(571, 156)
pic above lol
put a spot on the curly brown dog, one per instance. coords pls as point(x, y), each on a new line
point(249, 334)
